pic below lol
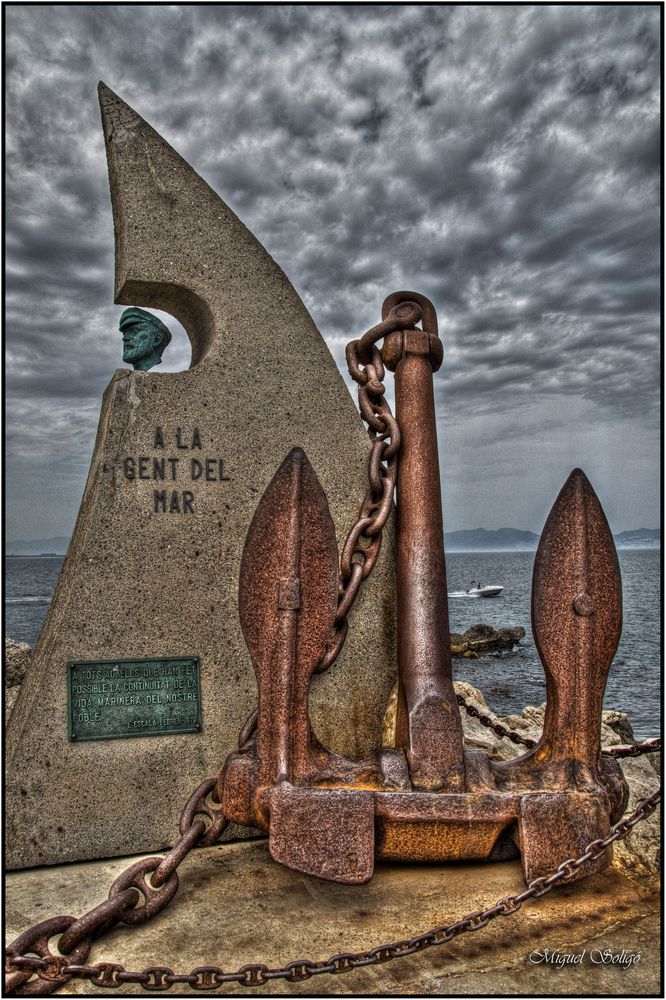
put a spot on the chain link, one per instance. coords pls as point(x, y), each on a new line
point(363, 544)
point(635, 750)
point(491, 723)
point(53, 972)
point(362, 547)
point(137, 895)
point(147, 886)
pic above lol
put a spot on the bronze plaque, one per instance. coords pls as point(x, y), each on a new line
point(114, 699)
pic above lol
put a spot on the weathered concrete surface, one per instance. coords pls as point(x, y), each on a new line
point(139, 583)
point(236, 906)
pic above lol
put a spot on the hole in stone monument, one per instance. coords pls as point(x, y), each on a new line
point(178, 354)
point(185, 314)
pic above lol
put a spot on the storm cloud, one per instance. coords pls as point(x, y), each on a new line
point(504, 161)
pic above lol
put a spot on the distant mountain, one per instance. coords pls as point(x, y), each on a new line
point(498, 540)
point(510, 539)
point(640, 538)
point(38, 546)
point(471, 540)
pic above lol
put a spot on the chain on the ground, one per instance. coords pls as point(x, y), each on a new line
point(202, 822)
point(54, 971)
point(633, 750)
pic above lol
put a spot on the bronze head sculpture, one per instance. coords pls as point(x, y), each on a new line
point(144, 338)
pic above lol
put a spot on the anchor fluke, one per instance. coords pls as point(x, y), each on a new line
point(576, 619)
point(287, 604)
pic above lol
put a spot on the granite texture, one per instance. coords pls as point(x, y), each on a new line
point(139, 582)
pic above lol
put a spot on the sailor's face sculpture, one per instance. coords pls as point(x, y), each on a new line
point(139, 341)
point(144, 338)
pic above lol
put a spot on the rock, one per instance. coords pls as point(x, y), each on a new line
point(640, 852)
point(530, 724)
point(479, 631)
point(655, 761)
point(620, 724)
point(476, 735)
point(481, 639)
point(11, 694)
point(17, 661)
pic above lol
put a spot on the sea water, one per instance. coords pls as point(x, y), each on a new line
point(514, 679)
point(509, 680)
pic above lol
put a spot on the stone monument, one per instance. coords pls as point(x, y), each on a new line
point(141, 679)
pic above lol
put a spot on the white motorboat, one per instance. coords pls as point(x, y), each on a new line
point(483, 590)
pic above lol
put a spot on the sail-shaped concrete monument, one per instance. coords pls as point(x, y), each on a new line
point(151, 574)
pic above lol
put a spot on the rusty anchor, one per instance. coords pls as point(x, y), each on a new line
point(427, 798)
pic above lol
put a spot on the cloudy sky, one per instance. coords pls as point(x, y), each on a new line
point(504, 161)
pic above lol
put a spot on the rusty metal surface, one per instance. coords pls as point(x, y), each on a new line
point(47, 972)
point(420, 826)
point(429, 798)
point(327, 833)
point(576, 620)
point(553, 825)
point(288, 603)
point(428, 721)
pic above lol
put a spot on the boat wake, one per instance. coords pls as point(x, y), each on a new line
point(27, 600)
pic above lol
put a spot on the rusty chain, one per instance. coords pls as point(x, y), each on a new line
point(53, 971)
point(147, 886)
point(635, 750)
point(362, 546)
point(155, 881)
point(139, 893)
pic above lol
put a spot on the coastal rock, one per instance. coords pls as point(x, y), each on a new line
point(640, 852)
point(476, 735)
point(17, 661)
point(11, 694)
point(619, 722)
point(480, 639)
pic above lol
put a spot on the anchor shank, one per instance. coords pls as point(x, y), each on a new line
point(428, 724)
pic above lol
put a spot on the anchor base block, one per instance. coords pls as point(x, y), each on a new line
point(556, 826)
point(337, 833)
point(328, 833)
